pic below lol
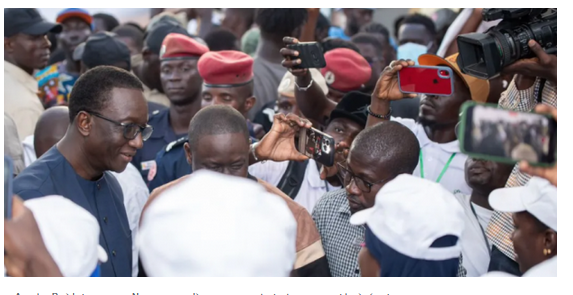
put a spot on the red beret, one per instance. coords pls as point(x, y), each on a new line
point(228, 67)
point(178, 46)
point(346, 70)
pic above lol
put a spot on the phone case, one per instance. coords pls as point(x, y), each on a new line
point(317, 145)
point(462, 138)
point(426, 80)
point(310, 54)
point(8, 179)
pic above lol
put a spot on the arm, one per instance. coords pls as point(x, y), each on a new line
point(206, 24)
point(470, 26)
point(309, 29)
point(312, 103)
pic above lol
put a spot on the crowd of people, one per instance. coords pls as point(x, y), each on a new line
point(166, 151)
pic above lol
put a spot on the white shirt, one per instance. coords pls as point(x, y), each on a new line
point(474, 248)
point(436, 156)
point(311, 190)
point(29, 152)
point(135, 195)
point(547, 268)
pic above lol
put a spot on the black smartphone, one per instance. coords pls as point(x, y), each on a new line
point(317, 145)
point(8, 178)
point(487, 132)
point(310, 54)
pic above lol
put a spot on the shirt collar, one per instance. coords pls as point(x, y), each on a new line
point(450, 147)
point(21, 76)
point(344, 207)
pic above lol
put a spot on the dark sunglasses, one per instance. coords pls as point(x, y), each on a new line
point(130, 130)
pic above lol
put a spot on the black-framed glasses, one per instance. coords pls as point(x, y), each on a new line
point(363, 185)
point(130, 130)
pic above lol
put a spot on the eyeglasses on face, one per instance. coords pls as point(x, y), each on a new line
point(130, 130)
point(363, 185)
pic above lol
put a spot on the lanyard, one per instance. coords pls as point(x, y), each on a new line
point(480, 227)
point(443, 170)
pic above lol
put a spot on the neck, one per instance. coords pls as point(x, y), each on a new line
point(181, 115)
point(77, 156)
point(13, 61)
point(480, 198)
point(269, 49)
point(441, 133)
point(71, 65)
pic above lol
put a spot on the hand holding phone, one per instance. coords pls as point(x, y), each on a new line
point(317, 145)
point(387, 87)
point(487, 132)
point(428, 80)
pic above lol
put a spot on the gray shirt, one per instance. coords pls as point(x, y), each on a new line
point(267, 77)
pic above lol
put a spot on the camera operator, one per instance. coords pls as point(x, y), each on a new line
point(523, 45)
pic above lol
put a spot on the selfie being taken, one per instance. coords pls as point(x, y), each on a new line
point(280, 142)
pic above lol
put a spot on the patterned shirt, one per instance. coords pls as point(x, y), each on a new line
point(341, 240)
point(55, 85)
point(501, 224)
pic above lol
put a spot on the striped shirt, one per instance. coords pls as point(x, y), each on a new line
point(501, 224)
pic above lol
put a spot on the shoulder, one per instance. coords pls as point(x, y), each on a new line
point(158, 115)
point(409, 123)
point(330, 201)
point(175, 144)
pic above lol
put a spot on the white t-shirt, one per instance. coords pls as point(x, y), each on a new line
point(311, 190)
point(436, 156)
point(474, 248)
point(29, 152)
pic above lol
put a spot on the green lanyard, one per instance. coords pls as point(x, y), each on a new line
point(443, 170)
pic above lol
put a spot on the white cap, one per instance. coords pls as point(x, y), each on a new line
point(538, 197)
point(547, 268)
point(214, 225)
point(70, 233)
point(410, 213)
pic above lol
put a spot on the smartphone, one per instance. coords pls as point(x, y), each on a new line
point(317, 145)
point(426, 80)
point(487, 132)
point(310, 54)
point(8, 178)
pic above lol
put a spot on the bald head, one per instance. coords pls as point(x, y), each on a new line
point(389, 143)
point(51, 127)
point(216, 120)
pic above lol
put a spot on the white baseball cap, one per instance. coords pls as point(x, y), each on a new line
point(216, 225)
point(70, 233)
point(538, 197)
point(410, 213)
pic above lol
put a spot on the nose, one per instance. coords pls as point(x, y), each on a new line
point(46, 43)
point(137, 142)
point(352, 189)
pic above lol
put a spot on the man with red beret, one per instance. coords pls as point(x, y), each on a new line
point(181, 82)
point(345, 71)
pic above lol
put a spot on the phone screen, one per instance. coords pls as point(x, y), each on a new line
point(7, 187)
point(496, 133)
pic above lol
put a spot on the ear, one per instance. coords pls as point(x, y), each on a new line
point(188, 153)
point(83, 122)
point(550, 241)
point(249, 103)
point(7, 44)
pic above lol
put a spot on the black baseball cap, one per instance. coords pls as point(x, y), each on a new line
point(27, 21)
point(103, 49)
point(154, 37)
point(353, 107)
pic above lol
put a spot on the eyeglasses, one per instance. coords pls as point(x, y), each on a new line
point(362, 184)
point(130, 130)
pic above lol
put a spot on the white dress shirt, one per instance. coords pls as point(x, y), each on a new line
point(29, 152)
point(436, 156)
point(311, 190)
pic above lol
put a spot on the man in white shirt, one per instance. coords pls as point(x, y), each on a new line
point(440, 158)
point(483, 177)
point(26, 48)
point(51, 127)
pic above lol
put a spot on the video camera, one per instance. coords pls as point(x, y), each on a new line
point(484, 55)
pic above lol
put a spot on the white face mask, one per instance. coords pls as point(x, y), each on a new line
point(412, 51)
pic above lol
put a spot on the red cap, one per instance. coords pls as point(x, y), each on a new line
point(346, 70)
point(225, 68)
point(179, 46)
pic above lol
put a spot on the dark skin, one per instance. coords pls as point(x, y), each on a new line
point(93, 145)
point(417, 33)
point(223, 153)
point(369, 266)
point(483, 177)
point(133, 48)
point(234, 22)
point(287, 105)
point(334, 95)
point(74, 32)
point(375, 59)
point(355, 19)
point(182, 84)
point(51, 128)
point(543, 65)
point(240, 98)
point(530, 238)
point(27, 52)
point(343, 131)
point(149, 70)
point(369, 169)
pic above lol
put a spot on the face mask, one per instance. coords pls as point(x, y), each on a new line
point(411, 51)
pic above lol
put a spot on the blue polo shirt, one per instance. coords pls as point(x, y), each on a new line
point(144, 159)
point(52, 174)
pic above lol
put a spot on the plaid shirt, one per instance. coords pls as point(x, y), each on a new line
point(341, 240)
point(501, 224)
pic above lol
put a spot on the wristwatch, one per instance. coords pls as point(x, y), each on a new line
point(252, 150)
